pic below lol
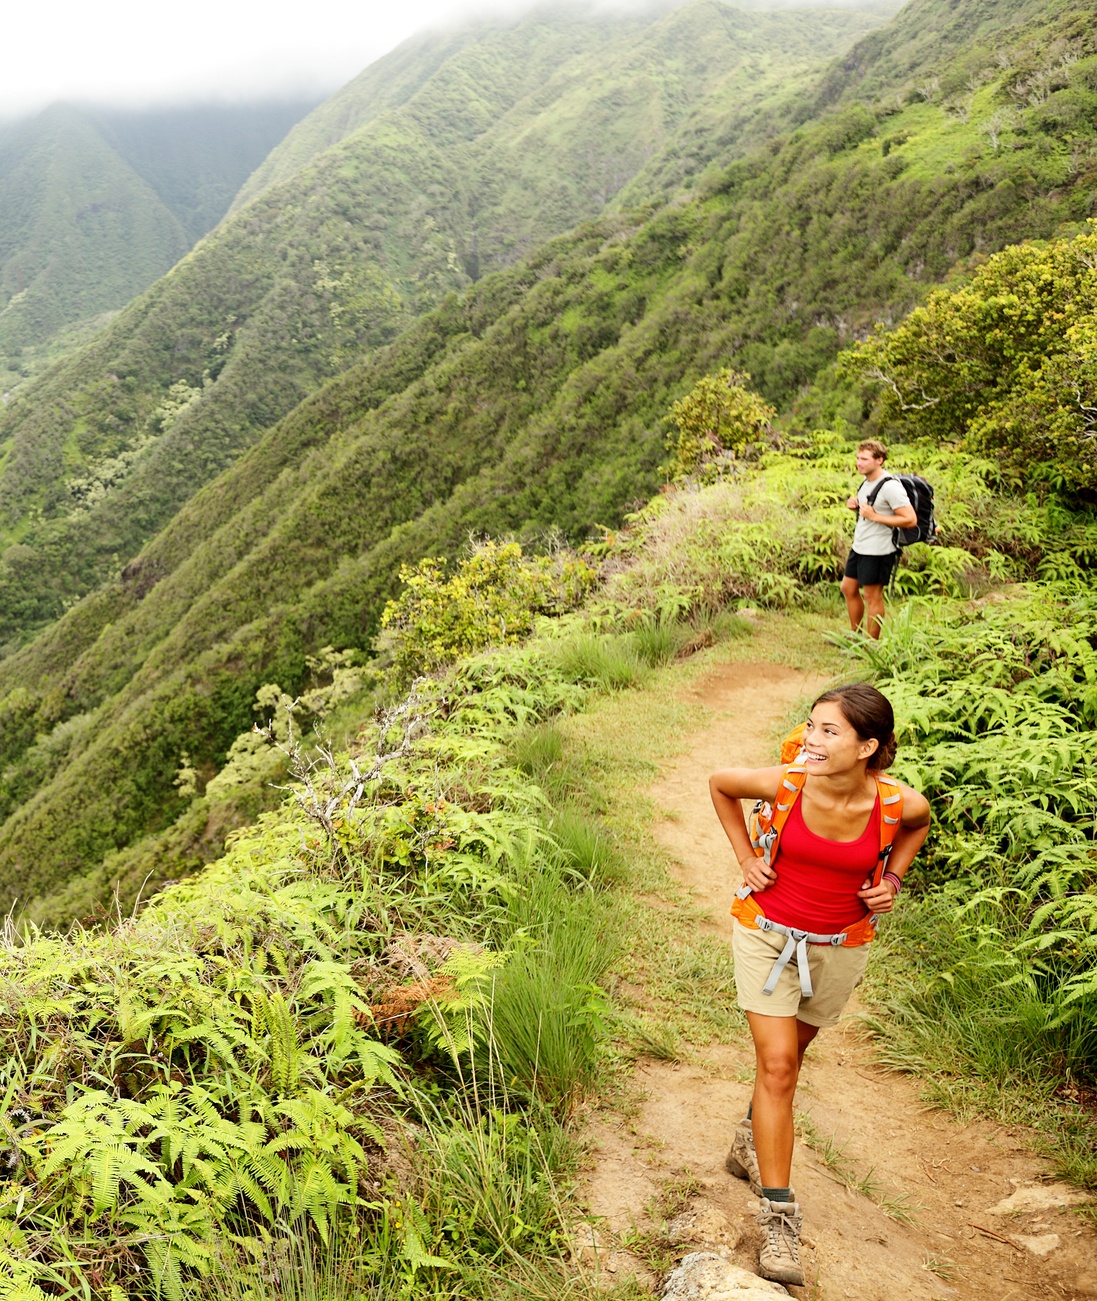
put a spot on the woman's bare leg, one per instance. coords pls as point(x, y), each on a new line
point(779, 1044)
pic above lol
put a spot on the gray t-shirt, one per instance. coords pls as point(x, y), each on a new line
point(870, 538)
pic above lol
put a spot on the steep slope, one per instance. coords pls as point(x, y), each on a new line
point(535, 401)
point(80, 231)
point(485, 146)
point(196, 157)
point(97, 203)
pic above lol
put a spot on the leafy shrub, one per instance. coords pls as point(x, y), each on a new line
point(491, 599)
point(1005, 366)
point(718, 421)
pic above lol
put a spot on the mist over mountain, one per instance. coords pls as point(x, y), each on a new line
point(96, 204)
point(196, 157)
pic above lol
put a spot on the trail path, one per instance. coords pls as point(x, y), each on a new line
point(956, 1175)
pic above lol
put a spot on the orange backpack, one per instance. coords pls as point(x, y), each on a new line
point(792, 747)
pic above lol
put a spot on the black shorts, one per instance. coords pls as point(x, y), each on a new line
point(871, 571)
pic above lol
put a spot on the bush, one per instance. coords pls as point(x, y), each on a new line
point(1005, 366)
point(718, 421)
point(491, 599)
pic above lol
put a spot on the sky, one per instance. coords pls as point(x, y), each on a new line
point(138, 52)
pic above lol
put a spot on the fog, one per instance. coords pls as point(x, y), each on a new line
point(133, 53)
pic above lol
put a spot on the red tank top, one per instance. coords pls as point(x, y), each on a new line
point(818, 879)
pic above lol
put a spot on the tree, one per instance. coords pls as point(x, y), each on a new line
point(718, 420)
point(1005, 366)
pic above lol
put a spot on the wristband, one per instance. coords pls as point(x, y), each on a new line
point(895, 880)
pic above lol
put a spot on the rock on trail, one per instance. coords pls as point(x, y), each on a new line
point(983, 1221)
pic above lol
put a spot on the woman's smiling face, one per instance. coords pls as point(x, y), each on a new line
point(831, 742)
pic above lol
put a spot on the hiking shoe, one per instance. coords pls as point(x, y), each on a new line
point(742, 1160)
point(779, 1258)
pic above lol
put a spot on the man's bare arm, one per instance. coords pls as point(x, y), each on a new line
point(904, 518)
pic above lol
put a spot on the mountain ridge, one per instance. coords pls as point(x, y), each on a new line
point(293, 287)
point(535, 401)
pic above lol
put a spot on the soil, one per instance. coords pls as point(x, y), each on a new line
point(987, 1221)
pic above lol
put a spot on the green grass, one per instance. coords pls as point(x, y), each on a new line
point(544, 1018)
point(585, 850)
point(605, 662)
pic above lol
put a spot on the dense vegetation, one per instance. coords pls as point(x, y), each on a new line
point(197, 156)
point(96, 204)
point(417, 935)
point(473, 149)
point(998, 1007)
point(219, 1088)
point(537, 400)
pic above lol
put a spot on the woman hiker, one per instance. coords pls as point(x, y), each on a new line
point(846, 835)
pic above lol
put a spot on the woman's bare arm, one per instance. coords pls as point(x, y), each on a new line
point(727, 788)
point(909, 839)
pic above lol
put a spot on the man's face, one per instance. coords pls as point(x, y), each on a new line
point(867, 463)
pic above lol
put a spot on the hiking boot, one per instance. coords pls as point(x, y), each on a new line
point(742, 1160)
point(779, 1258)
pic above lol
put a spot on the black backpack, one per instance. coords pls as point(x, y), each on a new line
point(921, 498)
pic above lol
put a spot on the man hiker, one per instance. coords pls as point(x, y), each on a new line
point(875, 552)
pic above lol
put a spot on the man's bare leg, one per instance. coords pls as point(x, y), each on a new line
point(874, 608)
point(851, 590)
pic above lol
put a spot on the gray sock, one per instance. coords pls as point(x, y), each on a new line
point(777, 1194)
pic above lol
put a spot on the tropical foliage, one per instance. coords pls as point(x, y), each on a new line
point(1005, 365)
point(228, 1062)
point(999, 715)
point(492, 600)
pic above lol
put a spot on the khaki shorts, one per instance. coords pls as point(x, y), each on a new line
point(835, 974)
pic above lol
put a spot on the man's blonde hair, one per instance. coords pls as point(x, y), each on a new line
point(874, 447)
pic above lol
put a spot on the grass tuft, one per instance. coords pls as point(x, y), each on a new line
point(585, 851)
point(606, 663)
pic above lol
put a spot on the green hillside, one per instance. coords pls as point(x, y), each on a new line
point(97, 203)
point(80, 232)
point(508, 135)
point(535, 401)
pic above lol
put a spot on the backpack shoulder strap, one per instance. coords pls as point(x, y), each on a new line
point(792, 783)
point(891, 813)
point(767, 819)
point(876, 491)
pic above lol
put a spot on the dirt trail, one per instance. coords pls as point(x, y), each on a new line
point(956, 1175)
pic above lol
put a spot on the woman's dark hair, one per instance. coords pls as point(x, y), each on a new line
point(869, 713)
